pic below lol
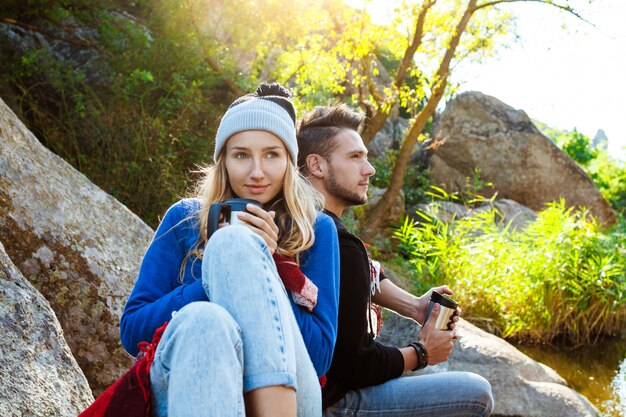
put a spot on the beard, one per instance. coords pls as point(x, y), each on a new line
point(350, 197)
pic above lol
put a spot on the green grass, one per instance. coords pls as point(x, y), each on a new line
point(560, 277)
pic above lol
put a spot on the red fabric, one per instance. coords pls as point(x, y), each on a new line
point(129, 396)
point(304, 291)
point(289, 272)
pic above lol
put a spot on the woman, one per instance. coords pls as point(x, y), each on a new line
point(235, 341)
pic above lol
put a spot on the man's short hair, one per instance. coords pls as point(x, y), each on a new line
point(319, 127)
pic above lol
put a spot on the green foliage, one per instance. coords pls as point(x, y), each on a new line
point(577, 146)
point(416, 182)
point(559, 277)
point(608, 174)
point(146, 117)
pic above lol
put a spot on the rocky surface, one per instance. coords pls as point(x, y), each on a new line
point(390, 137)
point(77, 245)
point(509, 213)
point(40, 377)
point(483, 133)
point(520, 385)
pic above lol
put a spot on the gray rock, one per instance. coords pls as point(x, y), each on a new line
point(521, 386)
point(87, 60)
point(76, 244)
point(40, 377)
point(389, 137)
point(443, 210)
point(600, 140)
point(510, 152)
point(509, 213)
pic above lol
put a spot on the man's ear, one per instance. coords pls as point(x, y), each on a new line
point(316, 165)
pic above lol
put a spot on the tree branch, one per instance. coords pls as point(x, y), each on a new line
point(377, 122)
point(409, 54)
point(375, 216)
point(566, 8)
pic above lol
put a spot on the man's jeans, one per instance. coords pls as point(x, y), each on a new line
point(246, 338)
point(446, 394)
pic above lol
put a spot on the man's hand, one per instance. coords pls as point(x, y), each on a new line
point(424, 301)
point(438, 343)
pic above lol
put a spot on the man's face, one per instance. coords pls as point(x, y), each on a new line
point(349, 171)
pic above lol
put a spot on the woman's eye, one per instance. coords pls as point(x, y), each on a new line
point(240, 155)
point(272, 155)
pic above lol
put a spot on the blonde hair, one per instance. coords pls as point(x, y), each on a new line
point(296, 209)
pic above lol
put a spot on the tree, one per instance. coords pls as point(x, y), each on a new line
point(430, 29)
point(335, 51)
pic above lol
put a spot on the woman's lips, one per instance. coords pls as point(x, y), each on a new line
point(256, 189)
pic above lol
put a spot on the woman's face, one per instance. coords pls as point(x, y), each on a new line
point(256, 162)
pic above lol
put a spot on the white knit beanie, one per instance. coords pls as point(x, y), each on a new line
point(258, 113)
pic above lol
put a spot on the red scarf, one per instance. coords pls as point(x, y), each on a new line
point(302, 289)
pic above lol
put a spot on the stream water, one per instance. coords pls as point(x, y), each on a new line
point(598, 372)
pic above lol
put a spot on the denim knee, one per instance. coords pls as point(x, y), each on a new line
point(481, 392)
point(237, 240)
point(203, 319)
point(236, 252)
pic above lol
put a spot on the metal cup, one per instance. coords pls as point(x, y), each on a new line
point(446, 312)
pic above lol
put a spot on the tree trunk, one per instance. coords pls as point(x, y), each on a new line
point(378, 121)
point(375, 124)
point(375, 215)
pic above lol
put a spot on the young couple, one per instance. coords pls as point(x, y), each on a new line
point(240, 339)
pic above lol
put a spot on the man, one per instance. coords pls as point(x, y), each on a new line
point(364, 375)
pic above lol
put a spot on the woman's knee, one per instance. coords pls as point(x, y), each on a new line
point(236, 240)
point(204, 320)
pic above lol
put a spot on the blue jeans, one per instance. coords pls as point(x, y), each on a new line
point(446, 394)
point(245, 338)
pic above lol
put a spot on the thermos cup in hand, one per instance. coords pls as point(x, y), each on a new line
point(448, 308)
point(228, 211)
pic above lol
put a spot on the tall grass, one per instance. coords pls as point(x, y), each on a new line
point(559, 277)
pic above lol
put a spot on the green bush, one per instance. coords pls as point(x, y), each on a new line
point(559, 277)
point(577, 146)
point(609, 176)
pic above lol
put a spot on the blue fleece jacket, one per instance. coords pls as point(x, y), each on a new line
point(158, 292)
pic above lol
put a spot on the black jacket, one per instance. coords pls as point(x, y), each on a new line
point(358, 360)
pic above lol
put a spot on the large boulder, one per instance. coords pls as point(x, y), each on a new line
point(521, 386)
point(483, 133)
point(40, 377)
point(76, 244)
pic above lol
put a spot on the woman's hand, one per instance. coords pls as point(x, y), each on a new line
point(262, 223)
